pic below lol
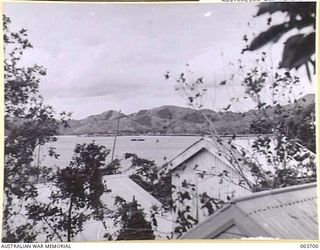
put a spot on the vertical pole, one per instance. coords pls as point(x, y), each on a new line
point(115, 137)
point(197, 197)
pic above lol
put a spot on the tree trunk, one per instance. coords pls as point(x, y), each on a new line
point(69, 220)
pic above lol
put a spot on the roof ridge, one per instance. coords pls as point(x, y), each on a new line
point(274, 191)
point(196, 142)
point(285, 204)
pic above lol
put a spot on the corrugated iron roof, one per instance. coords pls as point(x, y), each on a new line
point(286, 213)
point(121, 185)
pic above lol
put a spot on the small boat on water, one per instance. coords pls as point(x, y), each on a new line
point(137, 139)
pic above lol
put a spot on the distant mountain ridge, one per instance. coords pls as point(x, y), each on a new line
point(169, 120)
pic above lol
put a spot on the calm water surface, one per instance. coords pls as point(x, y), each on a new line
point(157, 148)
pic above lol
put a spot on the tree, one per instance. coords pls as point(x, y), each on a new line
point(75, 198)
point(269, 91)
point(152, 178)
point(283, 123)
point(299, 48)
point(132, 221)
point(29, 123)
point(291, 163)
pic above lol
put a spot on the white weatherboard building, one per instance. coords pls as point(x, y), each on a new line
point(197, 171)
point(208, 167)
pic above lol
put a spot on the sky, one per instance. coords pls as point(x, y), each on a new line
point(114, 56)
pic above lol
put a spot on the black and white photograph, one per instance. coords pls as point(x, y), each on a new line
point(159, 121)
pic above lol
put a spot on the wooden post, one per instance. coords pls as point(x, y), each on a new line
point(115, 137)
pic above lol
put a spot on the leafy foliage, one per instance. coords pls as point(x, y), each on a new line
point(281, 146)
point(29, 123)
point(278, 143)
point(210, 203)
point(149, 177)
point(112, 168)
point(132, 221)
point(187, 199)
point(299, 48)
point(75, 198)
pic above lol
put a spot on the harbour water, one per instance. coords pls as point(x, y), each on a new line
point(161, 149)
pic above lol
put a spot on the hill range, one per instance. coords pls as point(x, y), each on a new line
point(172, 120)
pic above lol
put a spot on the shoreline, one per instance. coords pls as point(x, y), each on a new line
point(162, 135)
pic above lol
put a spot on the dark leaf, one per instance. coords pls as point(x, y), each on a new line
point(297, 51)
point(226, 108)
point(292, 8)
point(308, 71)
point(269, 8)
point(273, 34)
point(223, 82)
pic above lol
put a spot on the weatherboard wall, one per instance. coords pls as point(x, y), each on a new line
point(198, 174)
